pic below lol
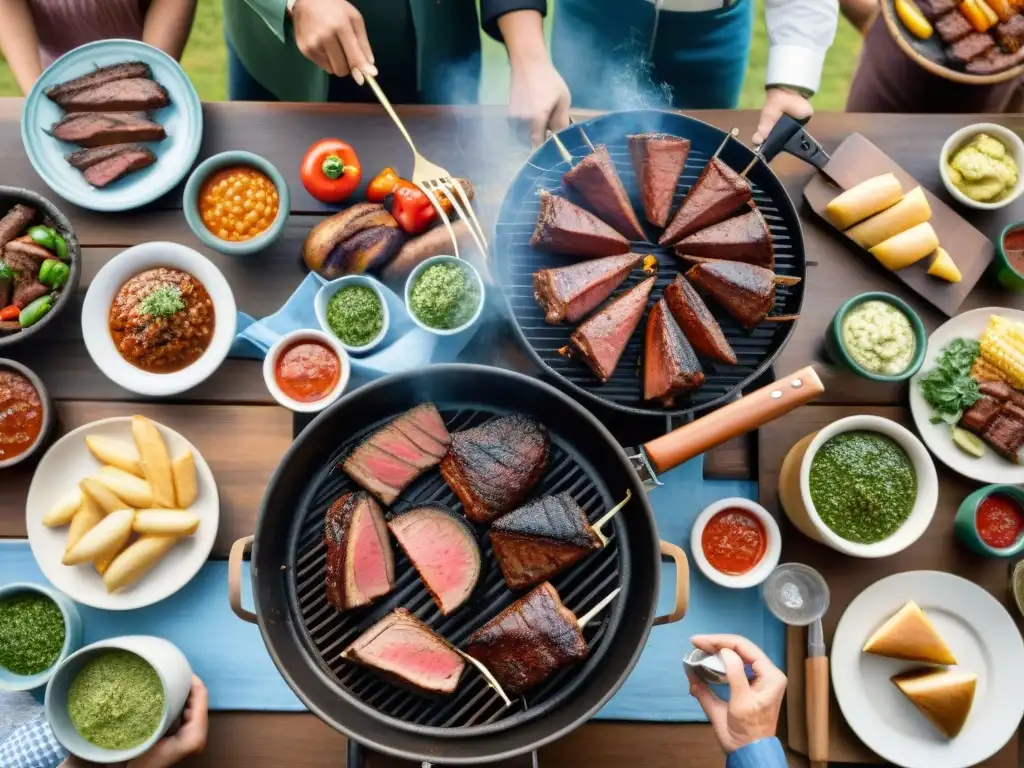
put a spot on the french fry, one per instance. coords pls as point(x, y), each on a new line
point(107, 536)
point(109, 450)
point(185, 489)
point(165, 522)
point(135, 491)
point(103, 563)
point(105, 498)
point(156, 462)
point(64, 510)
point(136, 561)
point(86, 518)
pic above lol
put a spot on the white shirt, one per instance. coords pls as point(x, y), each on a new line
point(800, 32)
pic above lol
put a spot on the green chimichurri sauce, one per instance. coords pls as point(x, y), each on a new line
point(444, 296)
point(863, 486)
point(31, 633)
point(355, 315)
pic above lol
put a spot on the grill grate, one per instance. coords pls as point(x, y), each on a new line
point(517, 261)
point(474, 708)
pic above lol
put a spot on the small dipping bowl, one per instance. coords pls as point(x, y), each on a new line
point(420, 269)
point(1011, 240)
point(761, 569)
point(232, 159)
point(72, 635)
point(47, 404)
point(1017, 586)
point(171, 667)
point(965, 525)
point(796, 594)
point(297, 337)
point(836, 347)
point(964, 136)
point(323, 298)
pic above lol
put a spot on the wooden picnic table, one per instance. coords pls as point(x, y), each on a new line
point(242, 433)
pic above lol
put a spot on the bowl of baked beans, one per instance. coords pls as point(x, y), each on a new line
point(236, 203)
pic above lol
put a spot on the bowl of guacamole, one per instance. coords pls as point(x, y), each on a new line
point(981, 166)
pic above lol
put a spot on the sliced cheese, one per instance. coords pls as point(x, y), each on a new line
point(906, 248)
point(910, 635)
point(943, 266)
point(912, 210)
point(866, 199)
point(944, 696)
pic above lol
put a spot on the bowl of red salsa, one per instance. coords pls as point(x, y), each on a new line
point(26, 414)
point(736, 543)
point(991, 521)
point(306, 370)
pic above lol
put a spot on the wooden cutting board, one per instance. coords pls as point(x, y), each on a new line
point(856, 160)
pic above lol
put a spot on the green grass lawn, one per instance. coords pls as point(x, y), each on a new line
point(205, 63)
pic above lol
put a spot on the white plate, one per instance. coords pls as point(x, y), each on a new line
point(66, 463)
point(984, 640)
point(990, 468)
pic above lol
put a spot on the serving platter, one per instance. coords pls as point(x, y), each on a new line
point(990, 468)
point(63, 466)
point(985, 641)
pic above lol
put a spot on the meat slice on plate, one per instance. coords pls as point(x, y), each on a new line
point(360, 562)
point(98, 129)
point(389, 460)
point(135, 93)
point(529, 641)
point(542, 539)
point(602, 338)
point(697, 322)
point(746, 291)
point(670, 364)
point(563, 227)
point(492, 468)
point(717, 194)
point(99, 76)
point(952, 27)
point(658, 159)
point(443, 549)
point(1005, 432)
point(106, 167)
point(14, 222)
point(597, 181)
point(572, 292)
point(977, 417)
point(743, 238)
point(404, 650)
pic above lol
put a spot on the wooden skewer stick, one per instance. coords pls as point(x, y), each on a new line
point(584, 135)
point(750, 165)
point(561, 148)
point(785, 279)
point(609, 515)
point(781, 319)
point(486, 675)
point(730, 135)
point(597, 608)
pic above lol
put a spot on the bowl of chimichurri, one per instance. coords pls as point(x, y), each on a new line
point(39, 628)
point(353, 310)
point(869, 486)
point(444, 295)
point(877, 336)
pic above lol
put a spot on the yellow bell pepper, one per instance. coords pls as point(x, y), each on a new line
point(973, 13)
point(992, 16)
point(913, 19)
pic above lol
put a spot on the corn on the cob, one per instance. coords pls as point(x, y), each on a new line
point(1002, 345)
point(983, 371)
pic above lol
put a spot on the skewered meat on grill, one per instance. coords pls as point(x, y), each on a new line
point(670, 364)
point(597, 181)
point(747, 292)
point(570, 293)
point(744, 238)
point(718, 193)
point(566, 228)
point(360, 563)
point(602, 338)
point(658, 159)
point(697, 322)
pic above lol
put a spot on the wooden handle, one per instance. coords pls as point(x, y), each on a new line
point(682, 584)
point(734, 419)
point(238, 552)
point(816, 685)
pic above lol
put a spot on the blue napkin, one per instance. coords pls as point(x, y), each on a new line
point(406, 346)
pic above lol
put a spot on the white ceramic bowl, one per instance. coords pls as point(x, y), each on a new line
point(1010, 140)
point(293, 337)
point(72, 636)
point(927, 487)
point(759, 572)
point(171, 666)
point(108, 281)
point(415, 275)
point(323, 296)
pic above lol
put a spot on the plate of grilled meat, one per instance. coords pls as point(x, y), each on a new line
point(977, 42)
point(112, 125)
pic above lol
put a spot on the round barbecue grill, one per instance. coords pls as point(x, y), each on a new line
point(516, 261)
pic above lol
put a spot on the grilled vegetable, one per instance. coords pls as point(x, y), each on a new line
point(382, 185)
point(991, 15)
point(34, 312)
point(1002, 345)
point(412, 208)
point(10, 312)
point(42, 236)
point(330, 170)
point(913, 19)
point(54, 273)
point(974, 14)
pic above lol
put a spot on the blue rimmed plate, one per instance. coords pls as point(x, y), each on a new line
point(182, 120)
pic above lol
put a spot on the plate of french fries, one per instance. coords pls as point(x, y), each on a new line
point(122, 513)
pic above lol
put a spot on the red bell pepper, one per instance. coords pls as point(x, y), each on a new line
point(9, 313)
point(383, 184)
point(412, 208)
point(330, 170)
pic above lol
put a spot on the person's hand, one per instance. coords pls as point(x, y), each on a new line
point(777, 102)
point(752, 711)
point(332, 34)
point(188, 740)
point(538, 97)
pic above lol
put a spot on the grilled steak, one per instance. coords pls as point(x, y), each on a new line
point(1010, 34)
point(602, 338)
point(98, 129)
point(529, 641)
point(670, 364)
point(1005, 431)
point(570, 293)
point(541, 539)
point(443, 549)
point(397, 453)
point(406, 651)
point(658, 160)
point(932, 9)
point(743, 238)
point(566, 228)
point(492, 468)
point(597, 181)
point(87, 158)
point(25, 255)
point(697, 322)
point(14, 222)
point(360, 563)
point(131, 94)
point(130, 159)
point(970, 47)
point(995, 61)
point(129, 69)
point(747, 292)
point(718, 193)
point(977, 417)
point(952, 27)
point(998, 418)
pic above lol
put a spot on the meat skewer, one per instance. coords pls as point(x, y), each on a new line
point(572, 292)
point(563, 227)
point(744, 238)
point(597, 181)
point(670, 364)
point(697, 322)
point(746, 291)
point(658, 160)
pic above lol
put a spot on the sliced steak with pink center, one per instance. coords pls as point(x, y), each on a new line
point(443, 549)
point(406, 651)
point(393, 441)
point(360, 562)
point(427, 418)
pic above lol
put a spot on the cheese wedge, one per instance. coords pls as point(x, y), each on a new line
point(907, 247)
point(943, 266)
point(944, 696)
point(866, 199)
point(912, 210)
point(910, 635)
